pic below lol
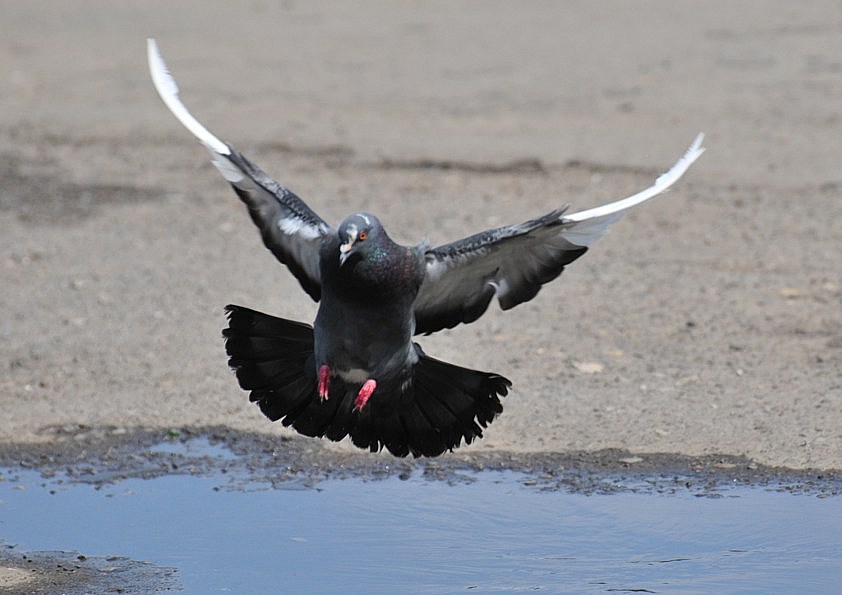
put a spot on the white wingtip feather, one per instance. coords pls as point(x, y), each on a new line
point(592, 224)
point(223, 165)
point(168, 90)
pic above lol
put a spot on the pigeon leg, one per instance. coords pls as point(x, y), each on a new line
point(365, 394)
point(324, 382)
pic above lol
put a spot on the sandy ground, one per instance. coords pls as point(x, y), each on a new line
point(707, 322)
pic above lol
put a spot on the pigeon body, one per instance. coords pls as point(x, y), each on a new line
point(357, 372)
point(364, 326)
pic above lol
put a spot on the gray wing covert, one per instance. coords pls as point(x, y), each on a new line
point(511, 263)
point(291, 230)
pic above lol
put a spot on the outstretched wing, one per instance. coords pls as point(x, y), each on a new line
point(290, 229)
point(513, 262)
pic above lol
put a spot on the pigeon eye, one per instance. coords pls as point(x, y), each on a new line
point(362, 236)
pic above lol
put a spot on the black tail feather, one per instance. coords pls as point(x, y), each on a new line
point(449, 425)
point(343, 419)
point(291, 399)
point(273, 358)
point(420, 430)
point(448, 404)
point(458, 400)
point(266, 352)
point(285, 401)
point(444, 405)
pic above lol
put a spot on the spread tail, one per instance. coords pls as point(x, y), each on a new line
point(443, 405)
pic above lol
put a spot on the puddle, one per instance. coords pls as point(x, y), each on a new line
point(476, 532)
point(199, 447)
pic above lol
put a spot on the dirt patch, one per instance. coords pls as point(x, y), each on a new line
point(73, 573)
point(100, 456)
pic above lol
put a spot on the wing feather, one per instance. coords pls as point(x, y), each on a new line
point(513, 262)
point(289, 228)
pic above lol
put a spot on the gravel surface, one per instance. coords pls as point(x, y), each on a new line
point(707, 324)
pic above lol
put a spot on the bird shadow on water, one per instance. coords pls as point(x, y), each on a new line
point(195, 513)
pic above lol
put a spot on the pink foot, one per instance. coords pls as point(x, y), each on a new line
point(365, 394)
point(324, 382)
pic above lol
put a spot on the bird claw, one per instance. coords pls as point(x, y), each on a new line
point(365, 394)
point(324, 382)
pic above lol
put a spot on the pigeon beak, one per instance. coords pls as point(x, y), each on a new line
point(345, 252)
point(345, 249)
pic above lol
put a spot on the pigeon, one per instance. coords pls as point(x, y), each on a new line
point(357, 371)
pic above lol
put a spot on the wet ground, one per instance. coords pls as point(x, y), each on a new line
point(213, 510)
point(99, 456)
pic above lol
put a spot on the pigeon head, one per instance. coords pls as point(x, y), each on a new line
point(357, 234)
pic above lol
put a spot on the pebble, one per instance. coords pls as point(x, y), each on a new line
point(631, 460)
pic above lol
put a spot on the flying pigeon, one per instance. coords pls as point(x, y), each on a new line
point(357, 372)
